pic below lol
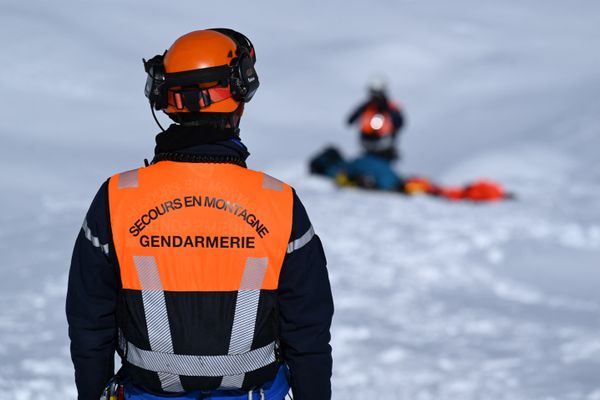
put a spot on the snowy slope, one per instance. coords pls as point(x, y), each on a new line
point(434, 300)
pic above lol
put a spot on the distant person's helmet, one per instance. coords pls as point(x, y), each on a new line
point(207, 71)
point(377, 86)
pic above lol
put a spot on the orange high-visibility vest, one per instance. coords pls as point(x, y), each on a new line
point(200, 248)
point(376, 123)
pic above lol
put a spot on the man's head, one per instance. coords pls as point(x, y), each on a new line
point(205, 77)
point(377, 88)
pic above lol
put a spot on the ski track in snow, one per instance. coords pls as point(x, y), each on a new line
point(434, 300)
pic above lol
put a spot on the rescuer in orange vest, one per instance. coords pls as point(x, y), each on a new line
point(206, 277)
point(379, 120)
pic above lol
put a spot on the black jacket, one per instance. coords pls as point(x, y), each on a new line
point(304, 294)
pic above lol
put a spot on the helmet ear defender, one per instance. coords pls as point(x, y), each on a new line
point(240, 77)
point(244, 78)
point(154, 90)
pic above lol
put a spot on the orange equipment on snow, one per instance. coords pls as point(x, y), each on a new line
point(478, 191)
point(419, 185)
point(484, 190)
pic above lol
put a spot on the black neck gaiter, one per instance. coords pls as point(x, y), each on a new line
point(178, 137)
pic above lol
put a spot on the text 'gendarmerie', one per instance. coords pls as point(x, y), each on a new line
point(206, 242)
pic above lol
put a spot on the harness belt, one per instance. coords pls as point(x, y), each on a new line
point(381, 143)
point(191, 365)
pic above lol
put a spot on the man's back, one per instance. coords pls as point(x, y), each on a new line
point(172, 249)
point(202, 274)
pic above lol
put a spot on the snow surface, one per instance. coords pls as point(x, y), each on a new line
point(434, 300)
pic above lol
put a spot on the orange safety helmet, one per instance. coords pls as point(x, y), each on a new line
point(210, 71)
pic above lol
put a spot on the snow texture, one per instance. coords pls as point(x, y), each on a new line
point(434, 300)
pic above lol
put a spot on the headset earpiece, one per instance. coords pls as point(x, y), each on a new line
point(244, 79)
point(154, 89)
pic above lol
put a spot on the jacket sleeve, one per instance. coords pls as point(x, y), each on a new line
point(356, 113)
point(397, 118)
point(306, 309)
point(92, 300)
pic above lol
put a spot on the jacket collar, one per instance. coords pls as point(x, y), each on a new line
point(200, 144)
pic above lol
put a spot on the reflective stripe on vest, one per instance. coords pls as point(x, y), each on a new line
point(246, 307)
point(199, 228)
point(155, 309)
point(128, 179)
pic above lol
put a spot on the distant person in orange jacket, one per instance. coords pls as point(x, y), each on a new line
point(379, 120)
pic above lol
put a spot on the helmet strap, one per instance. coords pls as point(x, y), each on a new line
point(194, 98)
